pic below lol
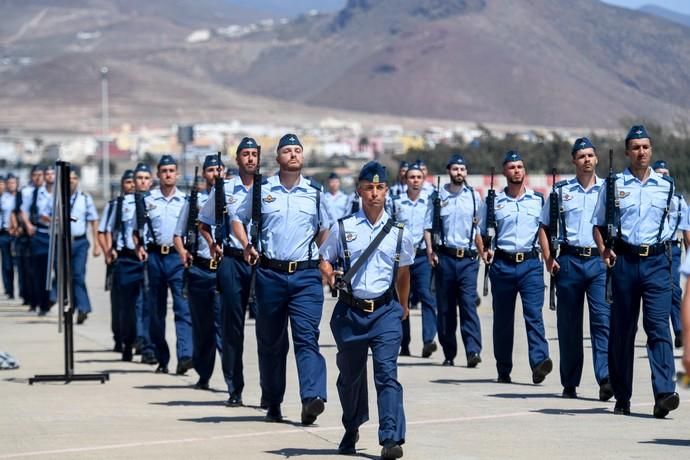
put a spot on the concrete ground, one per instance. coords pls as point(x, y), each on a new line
point(452, 413)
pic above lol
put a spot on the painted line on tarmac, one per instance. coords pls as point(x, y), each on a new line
point(76, 450)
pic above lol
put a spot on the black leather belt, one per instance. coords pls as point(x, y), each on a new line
point(458, 253)
point(233, 252)
point(80, 237)
point(644, 250)
point(516, 257)
point(676, 243)
point(206, 264)
point(288, 266)
point(420, 252)
point(163, 250)
point(579, 251)
point(366, 305)
point(127, 253)
point(4, 232)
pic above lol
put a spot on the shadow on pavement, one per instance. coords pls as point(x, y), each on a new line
point(239, 419)
point(461, 381)
point(594, 410)
point(536, 396)
point(175, 387)
point(417, 364)
point(189, 403)
point(294, 452)
point(105, 350)
point(90, 361)
point(669, 442)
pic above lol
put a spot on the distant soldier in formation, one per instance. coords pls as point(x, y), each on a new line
point(336, 200)
point(456, 260)
point(641, 271)
point(400, 185)
point(516, 268)
point(7, 233)
point(579, 270)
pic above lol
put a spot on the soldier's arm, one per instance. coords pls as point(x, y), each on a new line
point(685, 317)
point(95, 237)
point(402, 286)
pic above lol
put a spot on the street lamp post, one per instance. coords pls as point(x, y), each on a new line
point(105, 128)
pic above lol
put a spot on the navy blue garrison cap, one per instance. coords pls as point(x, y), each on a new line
point(333, 176)
point(36, 168)
point(414, 167)
point(637, 132)
point(404, 165)
point(10, 176)
point(166, 160)
point(247, 143)
point(2, 178)
point(373, 172)
point(142, 167)
point(289, 139)
point(581, 144)
point(49, 167)
point(660, 164)
point(456, 159)
point(420, 162)
point(128, 174)
point(512, 155)
point(212, 161)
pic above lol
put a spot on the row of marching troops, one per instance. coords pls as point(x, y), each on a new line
point(25, 217)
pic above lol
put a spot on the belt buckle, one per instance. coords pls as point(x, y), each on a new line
point(519, 257)
point(369, 306)
point(213, 264)
point(586, 252)
point(165, 250)
point(460, 253)
point(292, 266)
point(644, 250)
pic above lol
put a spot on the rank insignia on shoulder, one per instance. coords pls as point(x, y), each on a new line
point(623, 194)
point(350, 236)
point(400, 225)
point(269, 199)
point(568, 197)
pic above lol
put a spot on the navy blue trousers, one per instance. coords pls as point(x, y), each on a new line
point(115, 306)
point(40, 297)
point(456, 286)
point(7, 263)
point(22, 252)
point(235, 280)
point(420, 285)
point(128, 279)
point(80, 252)
point(676, 323)
point(204, 304)
point(647, 279)
point(167, 271)
point(507, 280)
point(299, 298)
point(356, 332)
point(577, 277)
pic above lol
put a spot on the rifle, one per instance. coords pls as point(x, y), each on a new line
point(141, 216)
point(490, 229)
point(110, 268)
point(612, 205)
point(192, 231)
point(554, 216)
point(255, 225)
point(220, 208)
point(436, 224)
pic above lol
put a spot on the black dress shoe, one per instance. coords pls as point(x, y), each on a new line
point(117, 348)
point(202, 385)
point(235, 400)
point(473, 359)
point(605, 390)
point(347, 445)
point(81, 317)
point(448, 362)
point(504, 378)
point(137, 346)
point(148, 359)
point(183, 365)
point(405, 351)
point(273, 414)
point(312, 409)
point(127, 354)
point(43, 312)
point(541, 370)
point(569, 393)
point(679, 341)
point(665, 403)
point(161, 369)
point(428, 349)
point(622, 408)
point(391, 451)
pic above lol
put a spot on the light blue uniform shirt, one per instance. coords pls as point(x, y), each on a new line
point(83, 211)
point(44, 206)
point(336, 204)
point(577, 206)
point(416, 215)
point(679, 216)
point(461, 216)
point(641, 208)
point(235, 194)
point(163, 213)
point(7, 205)
point(181, 228)
point(375, 277)
point(289, 219)
point(123, 236)
point(517, 221)
point(105, 216)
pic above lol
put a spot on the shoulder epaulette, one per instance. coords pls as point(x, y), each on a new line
point(539, 194)
point(669, 179)
point(264, 180)
point(399, 225)
point(315, 184)
point(679, 195)
point(561, 183)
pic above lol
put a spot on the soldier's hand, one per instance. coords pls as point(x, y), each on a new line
point(187, 259)
point(488, 256)
point(433, 259)
point(609, 257)
point(96, 250)
point(30, 229)
point(216, 252)
point(142, 254)
point(406, 312)
point(552, 266)
point(251, 256)
point(686, 355)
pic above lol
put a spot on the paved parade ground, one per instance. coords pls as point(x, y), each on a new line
point(452, 413)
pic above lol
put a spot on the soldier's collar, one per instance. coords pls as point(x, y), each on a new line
point(629, 177)
point(362, 219)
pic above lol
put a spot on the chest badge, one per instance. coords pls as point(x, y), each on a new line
point(269, 198)
point(568, 197)
point(623, 194)
point(444, 203)
point(233, 200)
point(500, 206)
point(151, 207)
point(350, 236)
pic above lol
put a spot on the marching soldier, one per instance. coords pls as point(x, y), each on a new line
point(293, 222)
point(234, 273)
point(400, 185)
point(413, 208)
point(202, 268)
point(375, 253)
point(7, 204)
point(336, 200)
point(679, 220)
point(640, 262)
point(516, 269)
point(457, 264)
point(579, 270)
point(163, 206)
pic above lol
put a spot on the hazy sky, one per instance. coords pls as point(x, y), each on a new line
point(682, 6)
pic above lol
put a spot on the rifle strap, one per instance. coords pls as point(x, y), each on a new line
point(671, 191)
point(561, 215)
point(536, 235)
point(396, 259)
point(475, 219)
point(318, 223)
point(361, 260)
point(346, 251)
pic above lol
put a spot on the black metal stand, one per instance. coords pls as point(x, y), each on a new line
point(60, 252)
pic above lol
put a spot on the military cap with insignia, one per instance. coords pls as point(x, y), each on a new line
point(404, 165)
point(167, 160)
point(660, 164)
point(288, 139)
point(512, 155)
point(414, 167)
point(581, 144)
point(142, 167)
point(637, 132)
point(373, 172)
point(456, 159)
point(247, 143)
point(36, 168)
point(421, 163)
point(212, 161)
point(127, 174)
point(333, 176)
point(49, 167)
